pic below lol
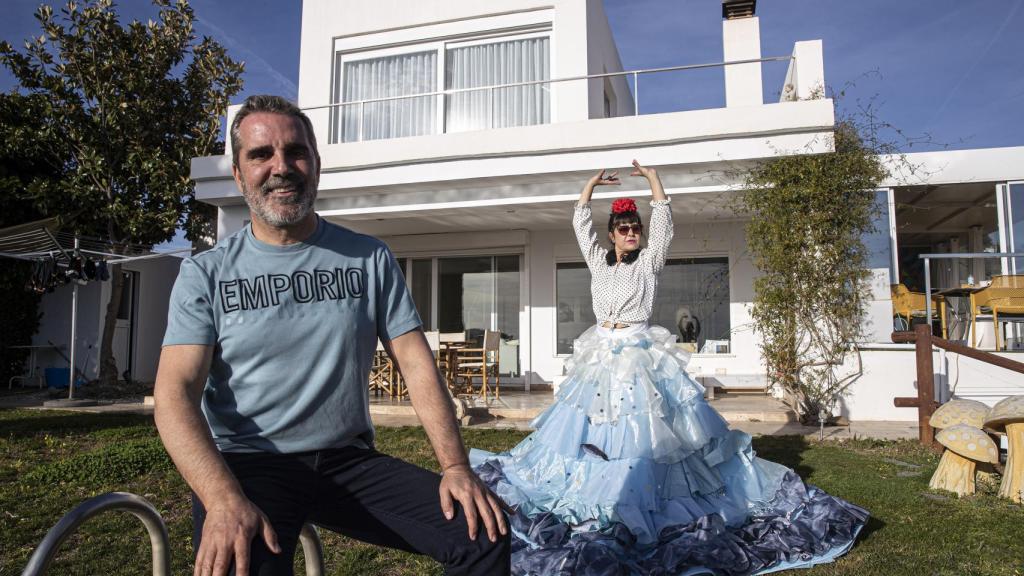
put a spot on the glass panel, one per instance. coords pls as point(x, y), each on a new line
point(422, 290)
point(575, 309)
point(1016, 225)
point(693, 302)
point(878, 241)
point(506, 307)
point(400, 75)
point(496, 64)
point(465, 295)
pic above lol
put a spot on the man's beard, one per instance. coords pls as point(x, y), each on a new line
point(280, 212)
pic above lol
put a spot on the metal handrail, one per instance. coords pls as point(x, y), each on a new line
point(142, 509)
point(633, 73)
point(312, 550)
point(312, 546)
point(952, 256)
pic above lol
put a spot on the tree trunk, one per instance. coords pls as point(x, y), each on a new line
point(108, 365)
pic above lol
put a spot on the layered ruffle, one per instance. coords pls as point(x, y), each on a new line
point(630, 471)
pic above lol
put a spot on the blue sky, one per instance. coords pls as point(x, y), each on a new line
point(952, 69)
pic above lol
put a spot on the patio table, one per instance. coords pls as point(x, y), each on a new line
point(964, 291)
point(32, 350)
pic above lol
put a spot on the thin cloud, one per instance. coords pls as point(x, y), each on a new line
point(974, 65)
point(260, 65)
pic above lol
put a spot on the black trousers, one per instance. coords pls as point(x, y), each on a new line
point(362, 494)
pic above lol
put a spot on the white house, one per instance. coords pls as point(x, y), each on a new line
point(461, 132)
point(138, 330)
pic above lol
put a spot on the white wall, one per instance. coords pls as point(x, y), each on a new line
point(328, 25)
point(603, 57)
point(55, 327)
point(890, 371)
point(156, 278)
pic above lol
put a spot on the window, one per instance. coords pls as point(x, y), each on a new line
point(495, 64)
point(474, 293)
point(386, 77)
point(575, 309)
point(392, 93)
point(692, 302)
point(422, 288)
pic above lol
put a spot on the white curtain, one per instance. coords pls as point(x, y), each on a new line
point(493, 64)
point(400, 75)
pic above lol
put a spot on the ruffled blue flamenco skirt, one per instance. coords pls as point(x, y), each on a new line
point(631, 472)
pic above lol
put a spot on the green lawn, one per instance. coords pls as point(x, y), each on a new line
point(51, 461)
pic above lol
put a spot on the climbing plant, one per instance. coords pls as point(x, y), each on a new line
point(809, 214)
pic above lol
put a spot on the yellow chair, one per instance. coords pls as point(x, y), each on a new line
point(480, 363)
point(1004, 296)
point(907, 305)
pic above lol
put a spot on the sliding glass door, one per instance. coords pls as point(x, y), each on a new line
point(469, 294)
point(1011, 216)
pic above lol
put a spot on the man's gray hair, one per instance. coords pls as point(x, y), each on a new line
point(272, 104)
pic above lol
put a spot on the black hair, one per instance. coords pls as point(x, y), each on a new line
point(619, 219)
point(275, 105)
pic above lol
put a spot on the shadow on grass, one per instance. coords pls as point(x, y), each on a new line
point(789, 451)
point(20, 423)
point(785, 450)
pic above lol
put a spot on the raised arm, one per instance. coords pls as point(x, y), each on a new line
point(434, 408)
point(660, 229)
point(582, 219)
point(231, 519)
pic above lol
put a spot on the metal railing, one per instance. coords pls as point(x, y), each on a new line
point(312, 547)
point(491, 88)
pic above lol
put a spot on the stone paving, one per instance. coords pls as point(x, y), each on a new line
point(755, 414)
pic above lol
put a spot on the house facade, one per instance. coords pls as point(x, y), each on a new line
point(460, 133)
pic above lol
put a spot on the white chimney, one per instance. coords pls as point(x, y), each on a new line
point(741, 40)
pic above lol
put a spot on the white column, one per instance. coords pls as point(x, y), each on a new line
point(741, 40)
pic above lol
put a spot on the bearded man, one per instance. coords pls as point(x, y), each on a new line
point(261, 395)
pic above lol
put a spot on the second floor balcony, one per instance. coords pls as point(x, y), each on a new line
point(508, 84)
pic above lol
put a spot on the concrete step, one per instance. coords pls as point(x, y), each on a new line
point(732, 407)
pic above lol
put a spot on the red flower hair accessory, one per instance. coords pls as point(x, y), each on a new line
point(623, 205)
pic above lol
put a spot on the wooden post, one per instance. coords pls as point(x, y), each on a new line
point(925, 401)
point(925, 383)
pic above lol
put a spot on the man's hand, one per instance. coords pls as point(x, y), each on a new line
point(227, 531)
point(478, 503)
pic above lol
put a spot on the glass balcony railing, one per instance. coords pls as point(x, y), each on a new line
point(524, 103)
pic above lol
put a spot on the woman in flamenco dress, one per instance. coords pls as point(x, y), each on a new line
point(630, 471)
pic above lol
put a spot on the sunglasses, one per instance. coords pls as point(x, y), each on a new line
point(624, 229)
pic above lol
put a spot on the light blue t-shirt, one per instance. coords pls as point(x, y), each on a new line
point(294, 329)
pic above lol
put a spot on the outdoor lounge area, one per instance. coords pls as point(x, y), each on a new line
point(952, 240)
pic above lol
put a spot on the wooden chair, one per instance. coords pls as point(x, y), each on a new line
point(1003, 297)
point(381, 372)
point(434, 342)
point(907, 305)
point(449, 343)
point(480, 363)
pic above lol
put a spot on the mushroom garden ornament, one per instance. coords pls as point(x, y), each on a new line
point(959, 411)
point(965, 446)
point(1008, 417)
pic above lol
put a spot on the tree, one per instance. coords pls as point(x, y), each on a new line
point(809, 215)
point(24, 158)
point(128, 107)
